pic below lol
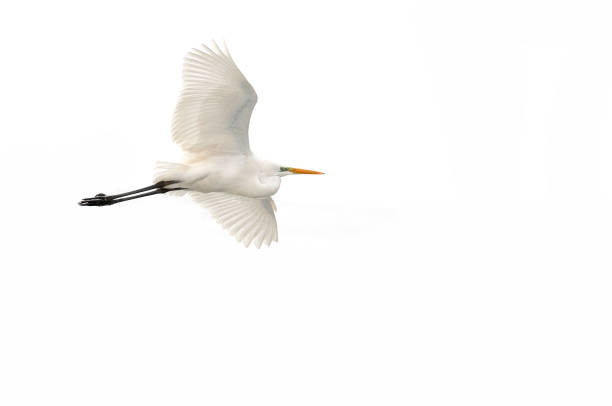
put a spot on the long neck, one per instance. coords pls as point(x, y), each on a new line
point(268, 185)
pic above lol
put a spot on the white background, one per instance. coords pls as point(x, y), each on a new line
point(457, 252)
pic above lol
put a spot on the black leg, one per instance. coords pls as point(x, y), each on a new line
point(103, 200)
point(158, 185)
point(131, 192)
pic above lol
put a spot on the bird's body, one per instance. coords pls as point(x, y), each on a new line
point(211, 123)
point(243, 175)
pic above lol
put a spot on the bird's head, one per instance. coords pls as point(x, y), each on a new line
point(285, 170)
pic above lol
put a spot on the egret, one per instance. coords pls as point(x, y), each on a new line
point(219, 171)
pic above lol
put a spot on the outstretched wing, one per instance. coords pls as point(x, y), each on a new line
point(248, 219)
point(215, 106)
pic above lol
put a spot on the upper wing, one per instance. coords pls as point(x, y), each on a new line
point(246, 218)
point(215, 106)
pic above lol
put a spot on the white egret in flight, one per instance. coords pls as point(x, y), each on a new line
point(211, 124)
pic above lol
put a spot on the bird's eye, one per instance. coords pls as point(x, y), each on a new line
point(284, 169)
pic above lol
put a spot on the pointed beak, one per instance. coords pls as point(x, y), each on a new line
point(305, 171)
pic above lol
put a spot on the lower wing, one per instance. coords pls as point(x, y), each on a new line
point(248, 219)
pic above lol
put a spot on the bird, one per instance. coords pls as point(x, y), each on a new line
point(218, 169)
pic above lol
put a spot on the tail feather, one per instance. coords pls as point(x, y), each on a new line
point(165, 171)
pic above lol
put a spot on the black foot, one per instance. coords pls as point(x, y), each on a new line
point(99, 200)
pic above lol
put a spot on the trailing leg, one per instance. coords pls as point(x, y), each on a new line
point(103, 200)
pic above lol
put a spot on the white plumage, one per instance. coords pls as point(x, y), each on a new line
point(246, 218)
point(215, 106)
point(211, 124)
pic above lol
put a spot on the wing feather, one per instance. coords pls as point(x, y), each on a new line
point(249, 220)
point(254, 229)
point(215, 105)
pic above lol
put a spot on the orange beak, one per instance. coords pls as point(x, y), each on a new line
point(305, 171)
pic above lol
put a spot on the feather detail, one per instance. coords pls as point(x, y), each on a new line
point(215, 105)
point(248, 219)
